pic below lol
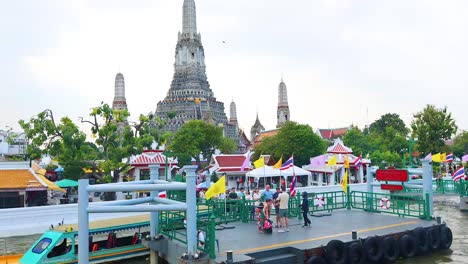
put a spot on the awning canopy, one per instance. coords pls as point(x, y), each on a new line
point(269, 171)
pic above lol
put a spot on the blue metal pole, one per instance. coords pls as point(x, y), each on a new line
point(427, 183)
point(369, 179)
point(83, 222)
point(191, 199)
point(154, 175)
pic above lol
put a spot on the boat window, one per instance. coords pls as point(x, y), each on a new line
point(61, 248)
point(42, 245)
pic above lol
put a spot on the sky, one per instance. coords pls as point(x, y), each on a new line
point(343, 62)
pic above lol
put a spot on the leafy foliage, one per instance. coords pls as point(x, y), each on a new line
point(389, 120)
point(292, 139)
point(460, 144)
point(432, 127)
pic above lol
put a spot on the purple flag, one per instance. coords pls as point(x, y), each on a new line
point(465, 158)
point(428, 157)
point(318, 161)
point(246, 161)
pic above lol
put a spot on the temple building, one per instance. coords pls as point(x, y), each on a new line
point(282, 112)
point(190, 96)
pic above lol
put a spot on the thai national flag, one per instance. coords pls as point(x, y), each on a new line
point(288, 164)
point(292, 187)
point(449, 158)
point(358, 161)
point(458, 174)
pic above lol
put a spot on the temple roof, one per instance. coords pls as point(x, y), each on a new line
point(228, 163)
point(332, 132)
point(20, 179)
point(339, 148)
point(151, 157)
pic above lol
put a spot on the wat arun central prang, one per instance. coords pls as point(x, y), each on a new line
point(190, 96)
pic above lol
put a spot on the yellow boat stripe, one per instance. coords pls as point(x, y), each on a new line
point(319, 238)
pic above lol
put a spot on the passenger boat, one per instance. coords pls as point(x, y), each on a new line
point(109, 240)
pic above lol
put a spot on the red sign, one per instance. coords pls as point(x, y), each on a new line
point(391, 187)
point(392, 175)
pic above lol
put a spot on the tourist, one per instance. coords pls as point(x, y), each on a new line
point(276, 203)
point(256, 196)
point(305, 209)
point(248, 196)
point(237, 182)
point(283, 210)
point(267, 193)
point(241, 193)
point(267, 208)
point(233, 194)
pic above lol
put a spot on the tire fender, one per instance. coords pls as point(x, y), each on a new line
point(316, 260)
point(335, 252)
point(373, 248)
point(446, 237)
point(356, 253)
point(434, 237)
point(422, 239)
point(391, 249)
point(408, 246)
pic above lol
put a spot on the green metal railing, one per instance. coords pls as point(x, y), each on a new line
point(401, 205)
point(327, 201)
point(444, 186)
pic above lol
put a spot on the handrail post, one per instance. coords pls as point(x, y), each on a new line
point(348, 197)
point(212, 236)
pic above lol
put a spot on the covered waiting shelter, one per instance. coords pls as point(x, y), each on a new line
point(267, 175)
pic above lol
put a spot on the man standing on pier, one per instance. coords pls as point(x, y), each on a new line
point(276, 203)
point(283, 210)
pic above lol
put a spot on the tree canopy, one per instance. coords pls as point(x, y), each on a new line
point(199, 138)
point(292, 139)
point(460, 144)
point(432, 127)
point(389, 120)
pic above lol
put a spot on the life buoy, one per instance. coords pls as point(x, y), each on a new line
point(391, 249)
point(446, 237)
point(408, 246)
point(373, 248)
point(434, 237)
point(356, 253)
point(95, 247)
point(422, 240)
point(335, 252)
point(319, 201)
point(385, 203)
point(316, 260)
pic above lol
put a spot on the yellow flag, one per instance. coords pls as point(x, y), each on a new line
point(259, 163)
point(443, 157)
point(332, 161)
point(436, 157)
point(278, 164)
point(346, 162)
point(217, 188)
point(344, 182)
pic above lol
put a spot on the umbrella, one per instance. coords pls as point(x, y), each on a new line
point(59, 169)
point(65, 183)
point(203, 185)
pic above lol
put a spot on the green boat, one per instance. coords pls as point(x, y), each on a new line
point(119, 239)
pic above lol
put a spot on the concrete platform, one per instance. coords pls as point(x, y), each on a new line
point(244, 237)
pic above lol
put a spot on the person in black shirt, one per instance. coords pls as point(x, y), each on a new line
point(305, 209)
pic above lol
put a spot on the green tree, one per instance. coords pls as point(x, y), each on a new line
point(357, 141)
point(389, 120)
point(118, 140)
point(460, 144)
point(293, 139)
point(432, 126)
point(199, 138)
point(63, 141)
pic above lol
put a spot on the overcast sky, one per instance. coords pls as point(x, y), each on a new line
point(344, 62)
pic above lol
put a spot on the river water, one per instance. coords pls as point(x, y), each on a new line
point(444, 206)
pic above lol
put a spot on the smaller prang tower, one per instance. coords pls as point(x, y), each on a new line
point(282, 113)
point(119, 103)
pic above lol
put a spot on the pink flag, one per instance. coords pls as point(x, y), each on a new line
point(246, 161)
point(465, 158)
point(428, 157)
point(318, 161)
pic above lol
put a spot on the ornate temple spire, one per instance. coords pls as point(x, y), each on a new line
point(283, 107)
point(189, 24)
point(119, 103)
point(233, 113)
point(256, 129)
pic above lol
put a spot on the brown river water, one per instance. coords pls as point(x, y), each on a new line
point(444, 206)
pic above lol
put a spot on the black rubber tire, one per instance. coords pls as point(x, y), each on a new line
point(434, 235)
point(408, 246)
point(373, 248)
point(356, 253)
point(391, 249)
point(446, 237)
point(422, 239)
point(316, 260)
point(335, 252)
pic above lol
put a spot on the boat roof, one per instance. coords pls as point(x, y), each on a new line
point(114, 224)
